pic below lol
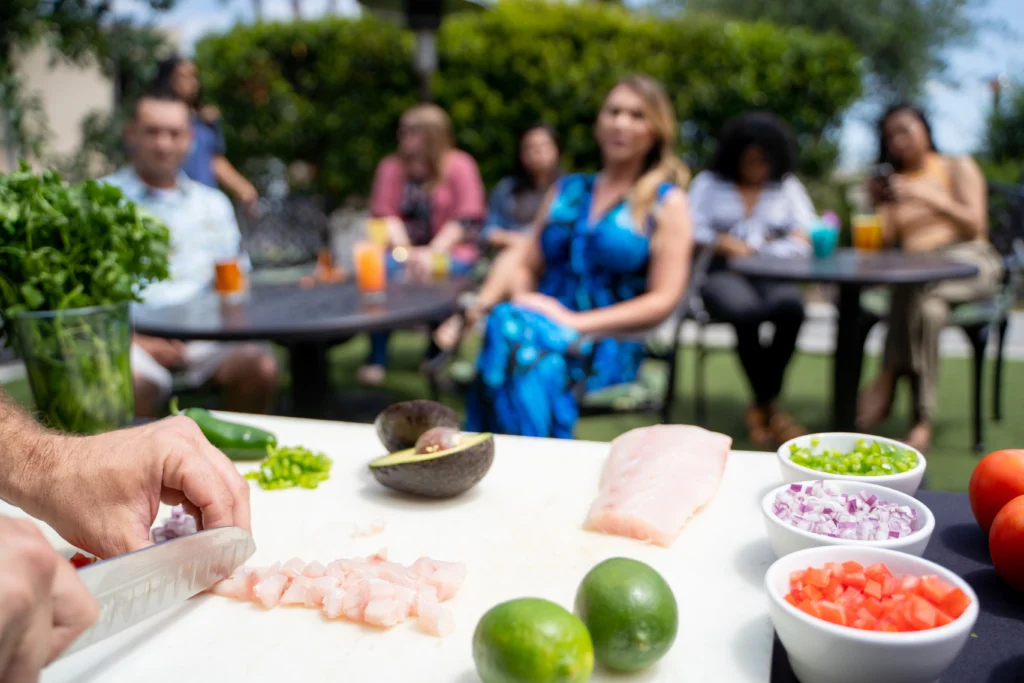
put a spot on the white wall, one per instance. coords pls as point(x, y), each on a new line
point(68, 93)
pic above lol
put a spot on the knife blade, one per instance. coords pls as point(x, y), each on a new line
point(133, 587)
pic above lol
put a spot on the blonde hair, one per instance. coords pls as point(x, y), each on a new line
point(433, 123)
point(663, 164)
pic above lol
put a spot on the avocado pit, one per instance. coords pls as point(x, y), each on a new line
point(400, 425)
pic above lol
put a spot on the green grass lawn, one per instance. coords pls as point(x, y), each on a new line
point(807, 396)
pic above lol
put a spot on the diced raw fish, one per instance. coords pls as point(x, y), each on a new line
point(426, 595)
point(446, 577)
point(314, 570)
point(378, 557)
point(353, 605)
point(655, 479)
point(381, 589)
point(317, 590)
point(436, 620)
point(235, 586)
point(384, 612)
point(264, 572)
point(269, 590)
point(371, 529)
point(406, 598)
point(296, 592)
point(334, 602)
point(371, 590)
point(294, 566)
point(397, 574)
point(337, 569)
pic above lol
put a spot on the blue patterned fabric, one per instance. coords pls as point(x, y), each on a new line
point(525, 371)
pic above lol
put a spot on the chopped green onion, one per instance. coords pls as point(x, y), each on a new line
point(290, 466)
point(866, 459)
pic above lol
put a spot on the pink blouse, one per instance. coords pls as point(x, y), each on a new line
point(459, 196)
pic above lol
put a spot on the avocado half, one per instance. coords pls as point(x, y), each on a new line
point(441, 474)
point(400, 424)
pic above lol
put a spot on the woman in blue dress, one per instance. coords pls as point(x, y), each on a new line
point(608, 252)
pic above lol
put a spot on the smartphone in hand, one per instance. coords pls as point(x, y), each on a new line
point(881, 187)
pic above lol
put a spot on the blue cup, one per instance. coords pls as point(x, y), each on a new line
point(824, 239)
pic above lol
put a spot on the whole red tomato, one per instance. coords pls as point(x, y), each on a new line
point(996, 480)
point(1006, 543)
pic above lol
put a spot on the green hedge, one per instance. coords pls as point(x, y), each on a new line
point(329, 92)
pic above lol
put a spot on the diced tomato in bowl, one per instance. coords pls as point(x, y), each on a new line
point(883, 615)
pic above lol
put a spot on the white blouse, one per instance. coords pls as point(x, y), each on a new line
point(782, 208)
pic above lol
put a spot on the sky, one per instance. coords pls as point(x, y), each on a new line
point(958, 111)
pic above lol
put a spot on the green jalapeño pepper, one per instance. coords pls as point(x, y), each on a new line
point(237, 441)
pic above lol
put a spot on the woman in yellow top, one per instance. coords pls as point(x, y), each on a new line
point(932, 203)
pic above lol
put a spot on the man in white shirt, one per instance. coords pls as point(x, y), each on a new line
point(203, 229)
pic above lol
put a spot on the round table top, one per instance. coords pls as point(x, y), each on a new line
point(854, 267)
point(289, 313)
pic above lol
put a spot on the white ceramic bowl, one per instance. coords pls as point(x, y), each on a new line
point(907, 482)
point(786, 538)
point(822, 652)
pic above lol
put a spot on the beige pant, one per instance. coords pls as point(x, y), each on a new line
point(917, 314)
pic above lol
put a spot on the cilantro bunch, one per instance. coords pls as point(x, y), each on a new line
point(65, 247)
point(74, 245)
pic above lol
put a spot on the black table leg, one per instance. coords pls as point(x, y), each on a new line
point(849, 358)
point(311, 384)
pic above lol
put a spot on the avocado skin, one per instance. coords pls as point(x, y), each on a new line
point(442, 476)
point(401, 424)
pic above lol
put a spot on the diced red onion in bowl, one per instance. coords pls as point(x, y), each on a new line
point(821, 509)
point(179, 524)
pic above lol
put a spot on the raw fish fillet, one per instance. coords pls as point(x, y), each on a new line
point(655, 479)
point(372, 590)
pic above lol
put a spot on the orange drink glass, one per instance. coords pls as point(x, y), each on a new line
point(867, 231)
point(230, 280)
point(371, 270)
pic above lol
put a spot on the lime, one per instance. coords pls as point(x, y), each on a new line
point(630, 612)
point(530, 640)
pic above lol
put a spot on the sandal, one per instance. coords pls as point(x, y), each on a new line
point(757, 427)
point(919, 437)
point(784, 428)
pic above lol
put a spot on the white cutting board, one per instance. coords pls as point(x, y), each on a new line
point(519, 534)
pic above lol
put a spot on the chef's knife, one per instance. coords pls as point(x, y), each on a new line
point(133, 587)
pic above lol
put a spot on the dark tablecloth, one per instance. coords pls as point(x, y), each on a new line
point(996, 655)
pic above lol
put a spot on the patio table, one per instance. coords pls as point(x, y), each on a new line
point(519, 534)
point(852, 271)
point(305, 321)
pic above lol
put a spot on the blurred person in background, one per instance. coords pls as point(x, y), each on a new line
point(515, 200)
point(433, 199)
point(206, 162)
point(931, 203)
point(203, 226)
point(748, 202)
point(607, 252)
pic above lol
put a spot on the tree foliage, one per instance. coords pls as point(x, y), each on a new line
point(329, 92)
point(76, 30)
point(1004, 135)
point(904, 42)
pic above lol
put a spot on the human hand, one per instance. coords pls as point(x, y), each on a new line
point(907, 190)
point(548, 306)
point(499, 237)
point(169, 353)
point(419, 263)
point(732, 246)
point(879, 189)
point(44, 606)
point(102, 493)
point(247, 195)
